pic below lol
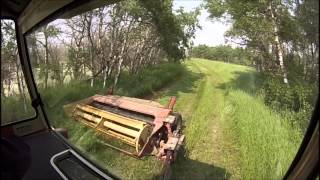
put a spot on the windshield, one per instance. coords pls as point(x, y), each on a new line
point(245, 75)
point(15, 99)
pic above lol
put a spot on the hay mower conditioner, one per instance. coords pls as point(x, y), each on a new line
point(152, 129)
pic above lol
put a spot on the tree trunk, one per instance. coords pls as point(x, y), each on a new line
point(46, 68)
point(23, 93)
point(119, 63)
point(9, 87)
point(108, 67)
point(280, 59)
point(278, 45)
point(19, 82)
point(88, 20)
point(2, 88)
point(92, 79)
point(105, 76)
point(124, 44)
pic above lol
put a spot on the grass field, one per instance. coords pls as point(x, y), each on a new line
point(230, 133)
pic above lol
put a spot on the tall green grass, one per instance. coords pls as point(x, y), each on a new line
point(13, 109)
point(267, 142)
point(254, 140)
point(141, 84)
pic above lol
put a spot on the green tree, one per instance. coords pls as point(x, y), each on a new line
point(223, 53)
point(257, 24)
point(175, 30)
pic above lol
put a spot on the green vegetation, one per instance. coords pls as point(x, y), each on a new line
point(148, 80)
point(223, 53)
point(296, 100)
point(97, 46)
point(241, 122)
point(230, 133)
point(9, 106)
point(282, 36)
point(267, 141)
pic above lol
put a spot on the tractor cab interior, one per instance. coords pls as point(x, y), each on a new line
point(33, 148)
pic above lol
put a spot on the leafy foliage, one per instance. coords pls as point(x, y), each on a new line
point(223, 53)
point(296, 101)
point(173, 37)
point(279, 33)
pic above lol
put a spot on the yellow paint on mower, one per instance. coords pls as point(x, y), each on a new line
point(130, 131)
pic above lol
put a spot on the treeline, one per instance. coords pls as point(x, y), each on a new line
point(283, 38)
point(223, 53)
point(99, 45)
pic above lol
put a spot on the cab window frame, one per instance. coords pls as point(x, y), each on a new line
point(312, 121)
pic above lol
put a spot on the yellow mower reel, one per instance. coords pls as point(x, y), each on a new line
point(128, 130)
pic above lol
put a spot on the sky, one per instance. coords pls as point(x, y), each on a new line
point(212, 32)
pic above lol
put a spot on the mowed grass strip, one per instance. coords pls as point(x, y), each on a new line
point(205, 152)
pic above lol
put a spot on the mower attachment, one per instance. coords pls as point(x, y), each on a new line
point(145, 125)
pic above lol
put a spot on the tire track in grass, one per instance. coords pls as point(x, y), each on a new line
point(225, 141)
point(223, 153)
point(206, 153)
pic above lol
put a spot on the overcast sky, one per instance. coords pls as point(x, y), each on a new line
point(212, 32)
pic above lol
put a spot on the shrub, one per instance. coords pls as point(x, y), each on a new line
point(294, 98)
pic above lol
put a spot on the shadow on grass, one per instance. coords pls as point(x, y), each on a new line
point(247, 81)
point(185, 168)
point(185, 83)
